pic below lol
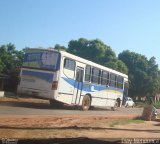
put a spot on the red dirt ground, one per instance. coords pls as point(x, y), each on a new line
point(37, 126)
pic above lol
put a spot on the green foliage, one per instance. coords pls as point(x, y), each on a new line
point(1, 66)
point(143, 74)
point(96, 51)
point(58, 47)
point(141, 104)
point(117, 65)
point(157, 105)
point(125, 122)
point(10, 58)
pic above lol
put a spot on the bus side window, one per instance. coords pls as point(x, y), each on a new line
point(104, 78)
point(95, 75)
point(120, 82)
point(69, 64)
point(69, 68)
point(108, 79)
point(112, 80)
point(79, 75)
point(88, 73)
point(116, 77)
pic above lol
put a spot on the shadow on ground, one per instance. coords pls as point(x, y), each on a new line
point(36, 104)
point(77, 128)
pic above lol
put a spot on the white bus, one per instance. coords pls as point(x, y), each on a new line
point(62, 77)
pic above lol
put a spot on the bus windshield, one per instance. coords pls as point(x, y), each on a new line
point(48, 60)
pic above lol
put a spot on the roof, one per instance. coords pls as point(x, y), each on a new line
point(92, 63)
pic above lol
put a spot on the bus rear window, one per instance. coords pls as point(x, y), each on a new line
point(42, 60)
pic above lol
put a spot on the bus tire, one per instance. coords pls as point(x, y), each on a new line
point(86, 103)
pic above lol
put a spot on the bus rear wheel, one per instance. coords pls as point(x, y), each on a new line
point(86, 103)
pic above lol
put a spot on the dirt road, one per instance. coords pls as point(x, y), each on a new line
point(31, 118)
point(30, 106)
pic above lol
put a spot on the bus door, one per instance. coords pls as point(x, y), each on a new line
point(78, 85)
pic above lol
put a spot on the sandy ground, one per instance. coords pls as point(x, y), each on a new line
point(66, 127)
point(37, 126)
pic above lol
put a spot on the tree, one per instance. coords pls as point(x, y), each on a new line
point(10, 58)
point(10, 63)
point(154, 81)
point(1, 66)
point(59, 47)
point(96, 51)
point(143, 74)
point(117, 65)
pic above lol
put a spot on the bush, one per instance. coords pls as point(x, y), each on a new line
point(141, 104)
point(157, 105)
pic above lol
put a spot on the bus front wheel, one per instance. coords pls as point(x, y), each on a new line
point(86, 103)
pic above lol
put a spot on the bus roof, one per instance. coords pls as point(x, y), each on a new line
point(91, 63)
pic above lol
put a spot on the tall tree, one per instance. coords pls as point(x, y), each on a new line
point(10, 58)
point(154, 81)
point(143, 74)
point(59, 47)
point(96, 51)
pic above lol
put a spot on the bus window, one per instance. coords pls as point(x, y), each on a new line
point(46, 60)
point(88, 73)
point(69, 64)
point(120, 82)
point(116, 77)
point(79, 75)
point(95, 75)
point(112, 80)
point(69, 68)
point(105, 78)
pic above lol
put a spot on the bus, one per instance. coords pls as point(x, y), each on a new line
point(64, 78)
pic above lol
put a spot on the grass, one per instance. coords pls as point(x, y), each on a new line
point(143, 104)
point(125, 122)
point(157, 104)
point(114, 122)
point(140, 104)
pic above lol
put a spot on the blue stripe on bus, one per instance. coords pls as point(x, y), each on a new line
point(41, 75)
point(89, 87)
point(93, 87)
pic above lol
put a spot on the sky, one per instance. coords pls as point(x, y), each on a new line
point(120, 24)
